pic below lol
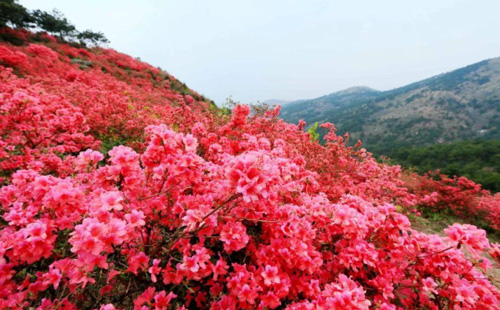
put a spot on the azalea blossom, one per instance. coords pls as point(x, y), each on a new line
point(123, 189)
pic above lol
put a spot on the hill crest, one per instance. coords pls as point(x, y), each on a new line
point(457, 105)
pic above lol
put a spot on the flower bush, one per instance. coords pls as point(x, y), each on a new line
point(125, 190)
point(458, 195)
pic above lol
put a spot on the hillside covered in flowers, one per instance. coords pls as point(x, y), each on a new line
point(124, 189)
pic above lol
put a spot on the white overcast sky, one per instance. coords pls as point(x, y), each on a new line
point(292, 49)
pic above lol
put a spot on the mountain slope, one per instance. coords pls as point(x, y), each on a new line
point(274, 102)
point(317, 110)
point(117, 94)
point(462, 104)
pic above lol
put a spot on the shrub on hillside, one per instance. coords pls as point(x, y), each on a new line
point(191, 208)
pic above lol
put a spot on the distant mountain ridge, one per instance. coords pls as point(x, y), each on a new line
point(458, 105)
point(274, 102)
point(317, 110)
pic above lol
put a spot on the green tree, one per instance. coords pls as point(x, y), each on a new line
point(13, 14)
point(55, 23)
point(89, 37)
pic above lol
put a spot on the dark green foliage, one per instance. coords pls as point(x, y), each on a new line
point(13, 14)
point(55, 23)
point(477, 160)
point(93, 38)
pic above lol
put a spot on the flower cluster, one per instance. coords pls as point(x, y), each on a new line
point(458, 195)
point(187, 208)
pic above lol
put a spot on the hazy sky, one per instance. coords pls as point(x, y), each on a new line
point(286, 49)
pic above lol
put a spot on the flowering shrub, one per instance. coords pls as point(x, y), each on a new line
point(37, 128)
point(490, 205)
point(169, 228)
point(457, 195)
point(183, 208)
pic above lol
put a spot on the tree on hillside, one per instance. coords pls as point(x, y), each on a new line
point(13, 14)
point(55, 23)
point(89, 37)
